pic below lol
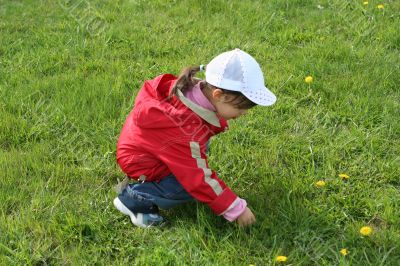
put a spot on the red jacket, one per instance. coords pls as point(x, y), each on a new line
point(162, 137)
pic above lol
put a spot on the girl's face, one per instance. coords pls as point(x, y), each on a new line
point(225, 109)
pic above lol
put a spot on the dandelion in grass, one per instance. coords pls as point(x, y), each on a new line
point(344, 177)
point(344, 251)
point(365, 3)
point(281, 259)
point(320, 183)
point(308, 79)
point(380, 6)
point(366, 230)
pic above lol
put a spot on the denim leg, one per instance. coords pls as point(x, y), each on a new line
point(146, 197)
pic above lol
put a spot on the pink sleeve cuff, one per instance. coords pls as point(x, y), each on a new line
point(235, 210)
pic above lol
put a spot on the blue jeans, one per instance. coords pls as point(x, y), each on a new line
point(147, 197)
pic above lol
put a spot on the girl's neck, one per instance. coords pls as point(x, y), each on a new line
point(197, 95)
point(207, 91)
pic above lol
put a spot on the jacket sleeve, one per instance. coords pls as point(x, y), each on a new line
point(189, 164)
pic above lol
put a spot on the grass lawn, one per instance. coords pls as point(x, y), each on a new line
point(69, 73)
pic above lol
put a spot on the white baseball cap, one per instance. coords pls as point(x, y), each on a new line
point(236, 70)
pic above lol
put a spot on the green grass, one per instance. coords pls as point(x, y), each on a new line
point(66, 90)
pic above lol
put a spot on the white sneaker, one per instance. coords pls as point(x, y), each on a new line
point(143, 220)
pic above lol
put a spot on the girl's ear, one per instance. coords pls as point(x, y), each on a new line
point(217, 94)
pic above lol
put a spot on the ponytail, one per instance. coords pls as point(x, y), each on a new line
point(185, 81)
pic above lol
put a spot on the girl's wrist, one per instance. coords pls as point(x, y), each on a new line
point(235, 211)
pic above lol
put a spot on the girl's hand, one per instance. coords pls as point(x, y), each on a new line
point(246, 218)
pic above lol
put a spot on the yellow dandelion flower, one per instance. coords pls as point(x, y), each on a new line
point(344, 251)
point(281, 259)
point(380, 6)
point(320, 183)
point(308, 79)
point(366, 230)
point(365, 3)
point(344, 177)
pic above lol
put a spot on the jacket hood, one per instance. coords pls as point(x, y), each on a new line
point(153, 109)
point(159, 87)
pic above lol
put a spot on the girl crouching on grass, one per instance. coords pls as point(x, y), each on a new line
point(164, 140)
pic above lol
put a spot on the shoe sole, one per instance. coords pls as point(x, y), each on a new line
point(135, 220)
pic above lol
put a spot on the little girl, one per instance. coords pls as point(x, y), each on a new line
point(164, 140)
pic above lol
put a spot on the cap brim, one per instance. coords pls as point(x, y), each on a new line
point(262, 97)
